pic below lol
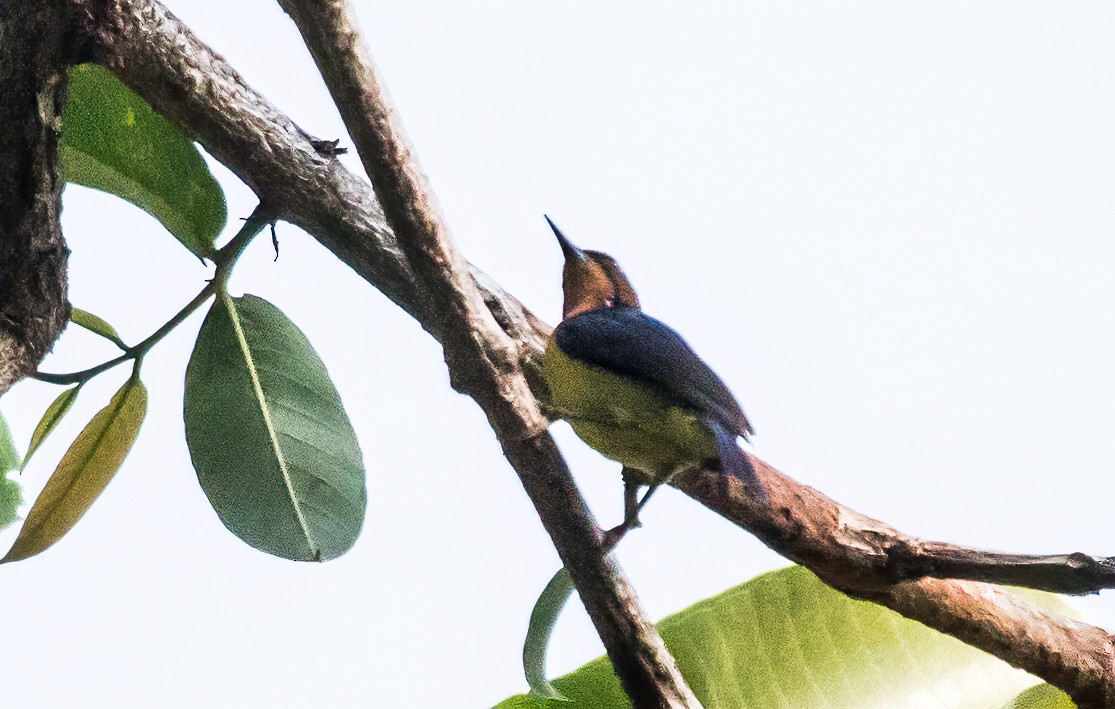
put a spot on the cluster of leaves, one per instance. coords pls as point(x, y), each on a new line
point(278, 460)
point(268, 435)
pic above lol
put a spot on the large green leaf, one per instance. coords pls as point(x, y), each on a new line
point(84, 472)
point(113, 141)
point(785, 639)
point(10, 496)
point(268, 435)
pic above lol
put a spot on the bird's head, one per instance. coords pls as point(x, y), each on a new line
point(591, 280)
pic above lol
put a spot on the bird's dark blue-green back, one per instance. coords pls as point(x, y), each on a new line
point(633, 344)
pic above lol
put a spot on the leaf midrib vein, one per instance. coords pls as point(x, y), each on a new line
point(257, 387)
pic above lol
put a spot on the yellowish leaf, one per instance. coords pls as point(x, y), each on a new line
point(84, 472)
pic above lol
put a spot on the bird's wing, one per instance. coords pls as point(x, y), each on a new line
point(629, 342)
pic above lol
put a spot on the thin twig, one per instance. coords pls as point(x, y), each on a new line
point(1074, 573)
point(226, 259)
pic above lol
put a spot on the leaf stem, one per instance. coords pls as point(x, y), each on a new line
point(226, 257)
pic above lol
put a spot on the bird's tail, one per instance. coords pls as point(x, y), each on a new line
point(735, 462)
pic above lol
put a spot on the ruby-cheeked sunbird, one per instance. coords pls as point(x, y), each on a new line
point(632, 388)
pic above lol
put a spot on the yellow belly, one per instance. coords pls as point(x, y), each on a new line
point(624, 420)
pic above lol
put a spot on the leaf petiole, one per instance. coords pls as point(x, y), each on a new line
point(225, 258)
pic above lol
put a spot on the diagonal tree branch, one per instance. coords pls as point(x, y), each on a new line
point(483, 361)
point(186, 82)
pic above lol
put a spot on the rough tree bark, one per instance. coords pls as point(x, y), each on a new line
point(33, 63)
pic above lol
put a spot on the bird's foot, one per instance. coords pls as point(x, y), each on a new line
point(609, 538)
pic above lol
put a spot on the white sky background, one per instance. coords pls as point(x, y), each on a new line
point(888, 226)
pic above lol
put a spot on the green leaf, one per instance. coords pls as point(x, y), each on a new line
point(269, 437)
point(1043, 696)
point(10, 495)
point(97, 326)
point(785, 639)
point(113, 141)
point(543, 617)
point(50, 419)
point(84, 472)
point(9, 457)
